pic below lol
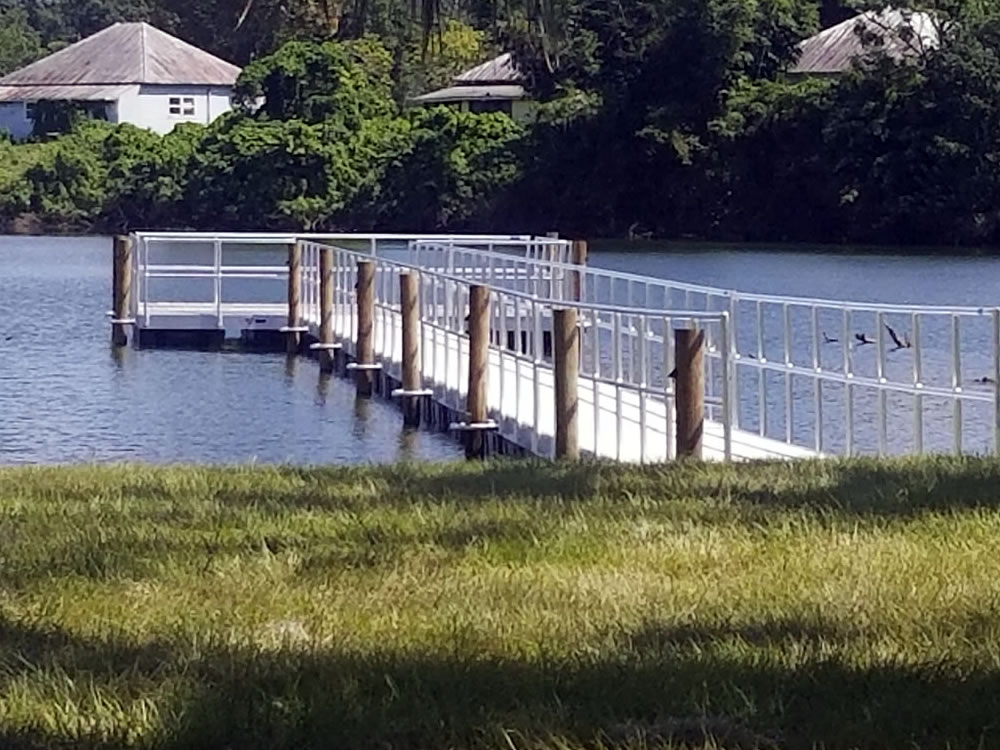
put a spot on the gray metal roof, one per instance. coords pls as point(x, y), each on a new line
point(494, 79)
point(903, 33)
point(63, 93)
point(126, 53)
point(498, 70)
point(473, 93)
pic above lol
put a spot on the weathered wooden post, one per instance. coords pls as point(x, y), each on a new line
point(411, 392)
point(479, 353)
point(121, 291)
point(690, 387)
point(293, 329)
point(364, 367)
point(567, 371)
point(326, 348)
point(580, 251)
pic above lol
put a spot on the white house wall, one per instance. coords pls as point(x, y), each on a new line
point(149, 107)
point(13, 120)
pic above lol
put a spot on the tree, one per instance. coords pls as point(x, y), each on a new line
point(453, 171)
point(20, 44)
point(317, 82)
point(68, 186)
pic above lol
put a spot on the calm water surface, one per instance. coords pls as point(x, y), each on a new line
point(66, 397)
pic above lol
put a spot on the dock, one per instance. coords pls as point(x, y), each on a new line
point(562, 359)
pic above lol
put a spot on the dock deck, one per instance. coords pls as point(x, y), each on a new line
point(625, 410)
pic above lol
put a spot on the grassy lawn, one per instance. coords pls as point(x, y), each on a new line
point(510, 606)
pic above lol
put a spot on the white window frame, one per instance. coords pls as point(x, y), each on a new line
point(30, 110)
point(181, 106)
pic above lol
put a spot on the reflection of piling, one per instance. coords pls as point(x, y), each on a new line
point(121, 291)
point(567, 368)
point(364, 367)
point(479, 351)
point(409, 291)
point(690, 387)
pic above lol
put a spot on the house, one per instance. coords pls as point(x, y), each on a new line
point(900, 33)
point(129, 72)
point(494, 86)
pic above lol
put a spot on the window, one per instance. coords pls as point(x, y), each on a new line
point(481, 107)
point(29, 111)
point(181, 106)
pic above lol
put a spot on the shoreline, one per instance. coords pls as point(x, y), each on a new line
point(32, 226)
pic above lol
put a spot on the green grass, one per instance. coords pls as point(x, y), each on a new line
point(511, 606)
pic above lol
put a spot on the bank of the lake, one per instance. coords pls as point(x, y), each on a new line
point(835, 604)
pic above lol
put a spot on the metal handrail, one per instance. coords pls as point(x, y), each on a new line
point(769, 344)
point(442, 317)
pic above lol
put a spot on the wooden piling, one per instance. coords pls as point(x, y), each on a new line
point(292, 332)
point(364, 376)
point(690, 387)
point(479, 352)
point(409, 296)
point(580, 252)
point(121, 291)
point(326, 354)
point(567, 370)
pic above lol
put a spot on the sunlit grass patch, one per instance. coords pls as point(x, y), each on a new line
point(509, 605)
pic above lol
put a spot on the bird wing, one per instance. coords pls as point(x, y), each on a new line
point(894, 337)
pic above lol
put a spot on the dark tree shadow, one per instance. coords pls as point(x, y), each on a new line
point(732, 686)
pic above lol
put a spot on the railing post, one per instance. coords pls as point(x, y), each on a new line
point(409, 299)
point(292, 330)
point(326, 352)
point(689, 357)
point(479, 352)
point(580, 253)
point(364, 376)
point(121, 283)
point(567, 370)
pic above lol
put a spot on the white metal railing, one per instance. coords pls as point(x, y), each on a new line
point(829, 376)
point(837, 377)
point(207, 258)
point(627, 396)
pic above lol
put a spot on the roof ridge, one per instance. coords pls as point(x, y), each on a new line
point(142, 51)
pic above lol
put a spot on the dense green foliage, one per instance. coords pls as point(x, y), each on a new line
point(837, 605)
point(671, 118)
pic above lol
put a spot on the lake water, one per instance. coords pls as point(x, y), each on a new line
point(66, 396)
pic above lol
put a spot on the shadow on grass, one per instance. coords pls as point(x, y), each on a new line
point(860, 487)
point(661, 683)
point(866, 487)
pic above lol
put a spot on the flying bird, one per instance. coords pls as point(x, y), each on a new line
point(863, 339)
point(829, 339)
point(903, 343)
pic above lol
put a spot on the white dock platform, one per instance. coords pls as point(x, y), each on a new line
point(619, 418)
